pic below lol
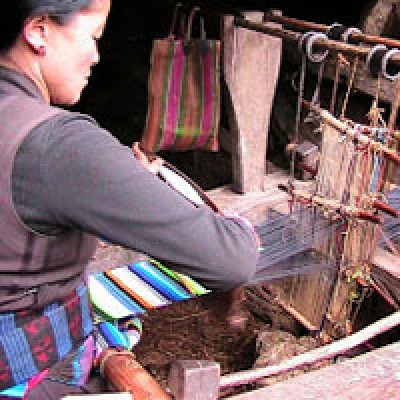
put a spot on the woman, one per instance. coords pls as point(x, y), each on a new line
point(66, 181)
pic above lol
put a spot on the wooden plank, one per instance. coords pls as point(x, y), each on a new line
point(251, 66)
point(253, 204)
point(375, 375)
point(388, 262)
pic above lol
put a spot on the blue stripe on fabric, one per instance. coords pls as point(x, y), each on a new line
point(87, 323)
point(19, 356)
point(59, 322)
point(159, 281)
point(15, 392)
point(7, 323)
point(76, 366)
point(112, 336)
point(118, 294)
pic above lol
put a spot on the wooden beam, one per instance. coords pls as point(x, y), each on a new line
point(387, 262)
point(251, 66)
point(320, 43)
point(312, 26)
point(374, 375)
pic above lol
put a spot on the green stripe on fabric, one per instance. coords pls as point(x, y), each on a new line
point(199, 123)
point(216, 99)
point(166, 88)
point(189, 283)
point(182, 110)
point(163, 268)
point(216, 90)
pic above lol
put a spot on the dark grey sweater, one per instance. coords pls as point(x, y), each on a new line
point(71, 174)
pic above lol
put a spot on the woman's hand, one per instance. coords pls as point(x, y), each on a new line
point(153, 165)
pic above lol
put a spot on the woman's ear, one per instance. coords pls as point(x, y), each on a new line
point(35, 32)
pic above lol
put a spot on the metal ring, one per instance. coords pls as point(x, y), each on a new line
point(348, 32)
point(316, 57)
point(302, 38)
point(385, 60)
point(373, 69)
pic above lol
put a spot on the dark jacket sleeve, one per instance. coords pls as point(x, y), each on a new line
point(84, 178)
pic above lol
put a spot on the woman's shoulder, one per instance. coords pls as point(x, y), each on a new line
point(63, 118)
point(67, 132)
point(69, 126)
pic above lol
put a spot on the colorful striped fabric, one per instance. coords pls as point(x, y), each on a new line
point(184, 96)
point(130, 290)
point(118, 295)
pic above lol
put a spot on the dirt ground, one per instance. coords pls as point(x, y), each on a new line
point(199, 329)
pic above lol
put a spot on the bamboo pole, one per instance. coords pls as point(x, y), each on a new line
point(320, 43)
point(336, 348)
point(312, 26)
point(335, 205)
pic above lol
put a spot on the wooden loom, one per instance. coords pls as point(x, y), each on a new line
point(326, 300)
point(349, 190)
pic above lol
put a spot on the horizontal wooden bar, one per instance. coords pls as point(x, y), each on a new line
point(312, 26)
point(334, 205)
point(386, 208)
point(320, 43)
point(391, 154)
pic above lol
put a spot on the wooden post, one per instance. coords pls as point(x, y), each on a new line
point(251, 66)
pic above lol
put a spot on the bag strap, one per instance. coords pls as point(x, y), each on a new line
point(188, 37)
point(175, 16)
point(195, 10)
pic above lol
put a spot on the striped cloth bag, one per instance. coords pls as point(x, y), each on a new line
point(183, 93)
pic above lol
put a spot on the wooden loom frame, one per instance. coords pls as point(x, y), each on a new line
point(319, 300)
point(238, 34)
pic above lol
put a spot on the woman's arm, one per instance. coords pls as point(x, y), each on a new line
point(85, 179)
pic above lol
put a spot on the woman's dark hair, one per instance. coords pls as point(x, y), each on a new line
point(18, 11)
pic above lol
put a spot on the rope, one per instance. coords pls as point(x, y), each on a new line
point(335, 84)
point(300, 96)
point(349, 87)
point(395, 106)
point(340, 32)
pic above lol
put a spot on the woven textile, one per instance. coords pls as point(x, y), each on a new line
point(30, 343)
point(73, 370)
point(118, 295)
point(130, 290)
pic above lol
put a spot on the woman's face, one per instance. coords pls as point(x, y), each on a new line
point(71, 52)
